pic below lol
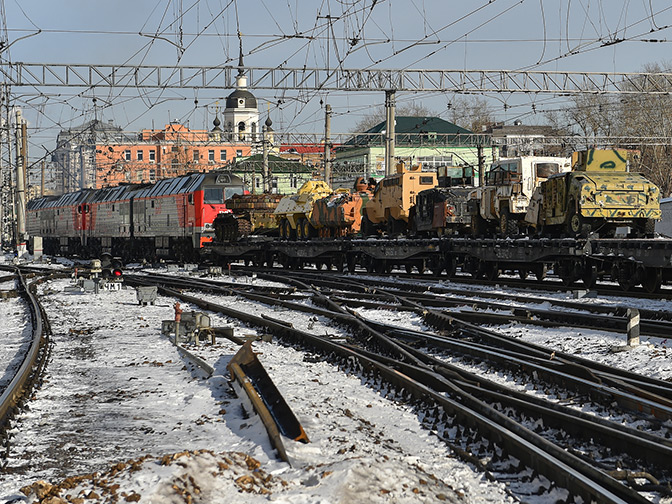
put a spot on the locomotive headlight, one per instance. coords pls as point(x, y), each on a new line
point(209, 226)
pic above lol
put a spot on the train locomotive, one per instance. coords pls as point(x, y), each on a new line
point(172, 218)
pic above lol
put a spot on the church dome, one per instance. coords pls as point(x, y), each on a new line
point(241, 99)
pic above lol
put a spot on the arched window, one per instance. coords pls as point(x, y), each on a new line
point(241, 131)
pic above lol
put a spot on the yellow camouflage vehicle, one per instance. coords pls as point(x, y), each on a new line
point(293, 211)
point(598, 195)
point(394, 196)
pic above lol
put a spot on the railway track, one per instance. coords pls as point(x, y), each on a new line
point(28, 365)
point(486, 423)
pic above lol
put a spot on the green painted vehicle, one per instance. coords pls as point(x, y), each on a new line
point(599, 195)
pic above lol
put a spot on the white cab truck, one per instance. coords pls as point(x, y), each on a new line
point(500, 204)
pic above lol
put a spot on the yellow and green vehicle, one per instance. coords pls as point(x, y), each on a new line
point(294, 211)
point(599, 195)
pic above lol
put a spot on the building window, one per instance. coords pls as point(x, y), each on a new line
point(222, 155)
point(127, 154)
point(293, 181)
point(195, 157)
point(239, 153)
point(257, 182)
point(140, 155)
point(211, 156)
point(152, 178)
point(152, 156)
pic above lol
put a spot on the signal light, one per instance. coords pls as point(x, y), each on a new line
point(112, 268)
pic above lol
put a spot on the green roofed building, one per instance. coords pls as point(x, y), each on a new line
point(431, 141)
point(286, 176)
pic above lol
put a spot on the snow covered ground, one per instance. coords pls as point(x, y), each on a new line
point(120, 413)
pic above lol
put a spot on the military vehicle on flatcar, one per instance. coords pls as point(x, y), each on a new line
point(394, 196)
point(293, 211)
point(499, 207)
point(599, 195)
point(340, 213)
point(443, 209)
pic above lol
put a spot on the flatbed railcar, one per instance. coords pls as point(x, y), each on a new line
point(580, 261)
point(171, 218)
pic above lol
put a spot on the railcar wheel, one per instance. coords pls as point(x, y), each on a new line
point(653, 279)
point(339, 263)
point(422, 266)
point(540, 271)
point(568, 272)
point(436, 265)
point(589, 275)
point(352, 263)
point(451, 267)
point(522, 273)
point(625, 275)
point(409, 268)
point(492, 271)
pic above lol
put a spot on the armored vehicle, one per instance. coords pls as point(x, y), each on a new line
point(251, 214)
point(500, 205)
point(598, 195)
point(443, 209)
point(393, 198)
point(293, 212)
point(340, 214)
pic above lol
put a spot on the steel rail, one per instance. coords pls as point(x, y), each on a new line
point(590, 483)
point(34, 360)
point(443, 321)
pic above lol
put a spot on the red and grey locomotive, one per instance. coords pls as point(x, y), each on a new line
point(171, 218)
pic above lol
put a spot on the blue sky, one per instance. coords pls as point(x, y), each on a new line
point(575, 35)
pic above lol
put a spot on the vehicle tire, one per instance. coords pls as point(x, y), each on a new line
point(367, 228)
point(478, 225)
point(577, 227)
point(646, 228)
point(507, 225)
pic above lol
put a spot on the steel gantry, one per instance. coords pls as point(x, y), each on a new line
point(341, 79)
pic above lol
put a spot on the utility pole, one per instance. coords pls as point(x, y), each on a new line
point(20, 188)
point(389, 131)
point(264, 172)
point(42, 179)
point(327, 144)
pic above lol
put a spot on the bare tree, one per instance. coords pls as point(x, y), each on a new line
point(473, 113)
point(411, 109)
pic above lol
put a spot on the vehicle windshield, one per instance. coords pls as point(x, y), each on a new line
point(545, 170)
point(213, 195)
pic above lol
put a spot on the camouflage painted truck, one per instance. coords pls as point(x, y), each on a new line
point(499, 206)
point(599, 195)
point(340, 214)
point(394, 196)
point(294, 211)
point(251, 214)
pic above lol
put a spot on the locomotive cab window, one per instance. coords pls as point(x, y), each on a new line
point(230, 191)
point(213, 195)
point(426, 180)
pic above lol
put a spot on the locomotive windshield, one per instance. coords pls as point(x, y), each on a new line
point(213, 195)
point(218, 195)
point(230, 191)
